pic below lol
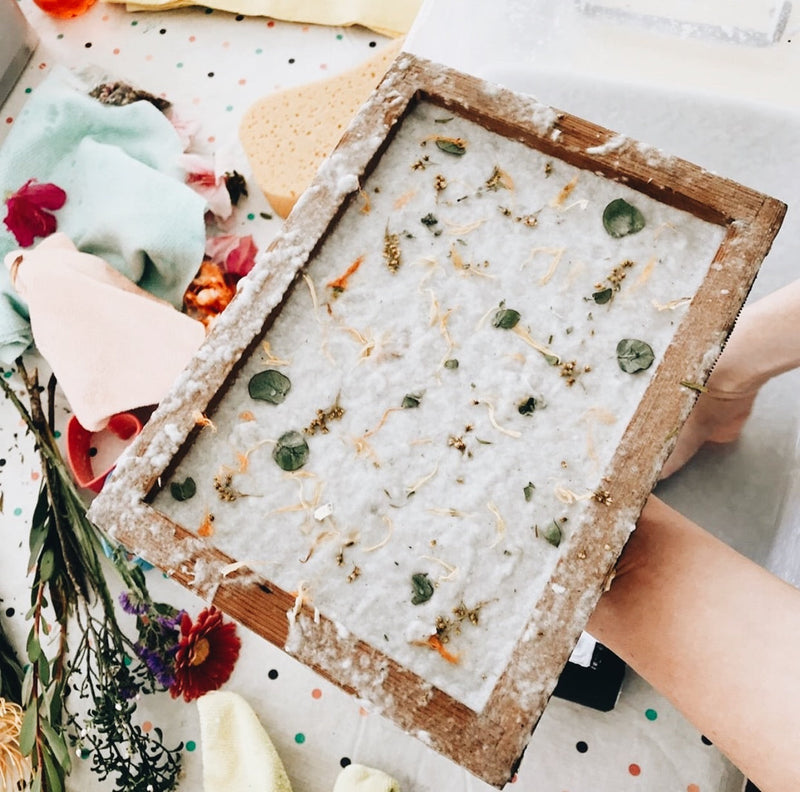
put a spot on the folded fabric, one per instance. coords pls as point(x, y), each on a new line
point(112, 346)
point(388, 17)
point(238, 755)
point(358, 778)
point(126, 197)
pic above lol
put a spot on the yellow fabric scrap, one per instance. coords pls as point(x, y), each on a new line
point(238, 755)
point(388, 17)
point(358, 778)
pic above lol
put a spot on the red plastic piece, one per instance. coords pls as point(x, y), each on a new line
point(81, 442)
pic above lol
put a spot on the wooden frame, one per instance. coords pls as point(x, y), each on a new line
point(491, 742)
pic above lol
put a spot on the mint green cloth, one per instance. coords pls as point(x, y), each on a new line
point(127, 201)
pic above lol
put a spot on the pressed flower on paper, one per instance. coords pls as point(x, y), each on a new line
point(207, 653)
point(27, 216)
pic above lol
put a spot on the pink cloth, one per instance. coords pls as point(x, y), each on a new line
point(112, 346)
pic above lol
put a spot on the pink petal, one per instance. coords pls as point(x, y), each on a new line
point(218, 201)
point(204, 179)
point(43, 222)
point(45, 196)
point(26, 222)
point(196, 163)
point(16, 224)
point(26, 218)
point(242, 258)
point(218, 247)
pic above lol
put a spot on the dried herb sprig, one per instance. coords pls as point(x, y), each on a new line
point(116, 745)
point(391, 251)
point(69, 580)
point(11, 672)
point(119, 94)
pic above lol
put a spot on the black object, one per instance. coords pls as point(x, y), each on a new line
point(596, 686)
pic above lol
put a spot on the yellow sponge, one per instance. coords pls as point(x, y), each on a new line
point(287, 135)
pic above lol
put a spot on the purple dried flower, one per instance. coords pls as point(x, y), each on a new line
point(169, 622)
point(132, 605)
point(128, 692)
point(161, 664)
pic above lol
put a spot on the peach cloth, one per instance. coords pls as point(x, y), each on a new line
point(112, 346)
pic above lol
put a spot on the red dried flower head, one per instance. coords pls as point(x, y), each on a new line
point(26, 217)
point(207, 653)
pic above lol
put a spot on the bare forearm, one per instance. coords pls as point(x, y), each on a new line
point(715, 633)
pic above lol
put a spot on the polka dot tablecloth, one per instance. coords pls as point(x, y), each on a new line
point(212, 66)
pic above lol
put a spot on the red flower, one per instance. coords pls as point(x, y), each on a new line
point(207, 652)
point(26, 218)
point(235, 254)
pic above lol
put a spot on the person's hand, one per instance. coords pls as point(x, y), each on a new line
point(765, 342)
point(718, 417)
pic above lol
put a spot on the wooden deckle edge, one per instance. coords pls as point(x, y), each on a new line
point(489, 743)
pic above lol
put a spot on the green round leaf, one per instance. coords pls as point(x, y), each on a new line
point(411, 401)
point(183, 490)
point(528, 491)
point(269, 386)
point(451, 146)
point(451, 363)
point(423, 588)
point(621, 218)
point(553, 533)
point(603, 296)
point(291, 451)
point(505, 318)
point(634, 355)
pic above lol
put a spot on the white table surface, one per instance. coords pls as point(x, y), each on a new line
point(212, 66)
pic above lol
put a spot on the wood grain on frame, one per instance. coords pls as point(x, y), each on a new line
point(489, 743)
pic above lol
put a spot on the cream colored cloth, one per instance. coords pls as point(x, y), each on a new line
point(238, 755)
point(358, 778)
point(112, 346)
point(389, 17)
